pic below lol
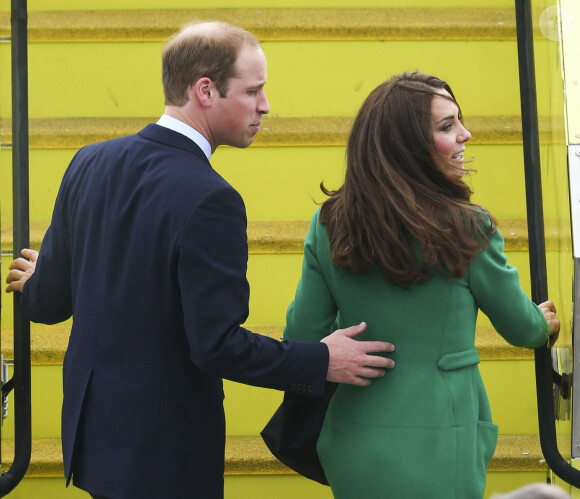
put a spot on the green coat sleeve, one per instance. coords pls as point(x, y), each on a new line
point(312, 313)
point(496, 288)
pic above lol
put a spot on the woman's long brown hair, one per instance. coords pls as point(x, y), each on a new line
point(401, 208)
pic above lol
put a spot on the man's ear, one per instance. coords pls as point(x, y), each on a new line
point(204, 91)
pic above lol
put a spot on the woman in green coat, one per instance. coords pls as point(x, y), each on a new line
point(401, 247)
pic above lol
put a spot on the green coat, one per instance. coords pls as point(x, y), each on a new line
point(424, 430)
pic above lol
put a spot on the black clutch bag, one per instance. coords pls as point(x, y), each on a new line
point(292, 432)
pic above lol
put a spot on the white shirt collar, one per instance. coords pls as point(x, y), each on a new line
point(184, 129)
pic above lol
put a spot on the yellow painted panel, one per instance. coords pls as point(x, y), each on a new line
point(498, 181)
point(45, 181)
point(274, 486)
point(5, 76)
point(95, 79)
point(46, 402)
point(554, 170)
point(6, 184)
point(46, 488)
point(560, 266)
point(305, 78)
point(273, 280)
point(334, 78)
point(283, 182)
point(45, 174)
point(248, 408)
point(511, 388)
point(5, 299)
point(571, 23)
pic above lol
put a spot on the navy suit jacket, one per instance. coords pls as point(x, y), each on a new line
point(147, 250)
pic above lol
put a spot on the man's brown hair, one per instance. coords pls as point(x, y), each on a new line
point(198, 50)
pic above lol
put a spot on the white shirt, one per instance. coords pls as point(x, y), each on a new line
point(184, 129)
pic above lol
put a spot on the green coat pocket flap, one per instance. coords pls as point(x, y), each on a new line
point(457, 360)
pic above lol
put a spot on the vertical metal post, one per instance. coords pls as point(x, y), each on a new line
point(537, 251)
point(21, 377)
point(21, 238)
point(531, 144)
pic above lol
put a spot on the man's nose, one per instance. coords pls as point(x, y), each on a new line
point(263, 105)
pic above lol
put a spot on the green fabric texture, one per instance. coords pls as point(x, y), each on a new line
point(425, 428)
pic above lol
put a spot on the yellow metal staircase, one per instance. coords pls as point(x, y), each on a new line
point(95, 74)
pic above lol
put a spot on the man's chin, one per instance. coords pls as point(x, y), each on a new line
point(247, 143)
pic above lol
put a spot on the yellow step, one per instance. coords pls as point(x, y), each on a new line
point(73, 133)
point(48, 343)
point(42, 5)
point(274, 24)
point(249, 464)
point(287, 236)
point(249, 455)
point(248, 408)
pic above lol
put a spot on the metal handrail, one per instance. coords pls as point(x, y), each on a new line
point(537, 251)
point(20, 381)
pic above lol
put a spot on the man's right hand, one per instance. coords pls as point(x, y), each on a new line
point(20, 270)
point(350, 361)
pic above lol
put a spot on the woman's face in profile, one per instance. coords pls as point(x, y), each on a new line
point(449, 134)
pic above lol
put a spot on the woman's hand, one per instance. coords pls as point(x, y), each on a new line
point(549, 310)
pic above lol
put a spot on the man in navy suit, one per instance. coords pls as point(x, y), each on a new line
point(147, 250)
